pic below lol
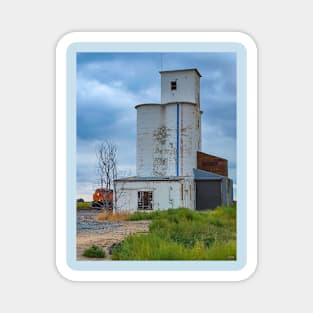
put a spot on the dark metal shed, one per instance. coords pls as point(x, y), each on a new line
point(212, 190)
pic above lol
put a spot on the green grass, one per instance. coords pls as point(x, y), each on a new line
point(138, 216)
point(83, 205)
point(94, 252)
point(182, 234)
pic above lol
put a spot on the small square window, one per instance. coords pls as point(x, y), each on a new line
point(145, 200)
point(173, 85)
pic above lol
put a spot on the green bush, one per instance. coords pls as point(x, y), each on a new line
point(94, 252)
point(182, 234)
point(83, 205)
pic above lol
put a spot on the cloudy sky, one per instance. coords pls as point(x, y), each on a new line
point(109, 85)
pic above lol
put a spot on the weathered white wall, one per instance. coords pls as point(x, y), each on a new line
point(188, 87)
point(157, 135)
point(189, 138)
point(169, 134)
point(170, 120)
point(149, 117)
point(166, 194)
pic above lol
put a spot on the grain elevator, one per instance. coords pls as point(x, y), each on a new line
point(171, 170)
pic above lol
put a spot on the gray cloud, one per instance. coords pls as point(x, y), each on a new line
point(110, 85)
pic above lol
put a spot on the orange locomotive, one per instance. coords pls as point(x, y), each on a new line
point(103, 198)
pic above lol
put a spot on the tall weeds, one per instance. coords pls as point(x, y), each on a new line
point(182, 234)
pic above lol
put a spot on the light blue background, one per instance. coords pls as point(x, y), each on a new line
point(241, 156)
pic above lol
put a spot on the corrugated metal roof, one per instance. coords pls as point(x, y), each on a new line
point(200, 174)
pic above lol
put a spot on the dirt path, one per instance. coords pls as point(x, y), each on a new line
point(108, 236)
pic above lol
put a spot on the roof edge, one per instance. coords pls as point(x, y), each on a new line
point(138, 178)
point(182, 70)
point(166, 103)
point(142, 104)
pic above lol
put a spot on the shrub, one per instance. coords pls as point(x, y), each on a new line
point(94, 252)
point(83, 205)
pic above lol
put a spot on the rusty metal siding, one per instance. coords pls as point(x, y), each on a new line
point(212, 164)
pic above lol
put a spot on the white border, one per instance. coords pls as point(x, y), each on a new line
point(252, 139)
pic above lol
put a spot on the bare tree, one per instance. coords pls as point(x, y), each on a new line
point(106, 154)
point(107, 172)
point(106, 164)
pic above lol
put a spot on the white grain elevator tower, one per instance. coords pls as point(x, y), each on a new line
point(169, 133)
point(172, 171)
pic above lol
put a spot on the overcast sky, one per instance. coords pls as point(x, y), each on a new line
point(109, 85)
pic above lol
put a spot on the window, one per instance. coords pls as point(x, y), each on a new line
point(145, 200)
point(173, 85)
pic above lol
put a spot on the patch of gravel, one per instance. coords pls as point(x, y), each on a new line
point(106, 235)
point(96, 227)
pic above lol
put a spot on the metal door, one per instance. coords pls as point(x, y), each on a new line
point(208, 194)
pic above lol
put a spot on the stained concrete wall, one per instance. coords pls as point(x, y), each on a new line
point(189, 138)
point(149, 120)
point(168, 138)
point(166, 194)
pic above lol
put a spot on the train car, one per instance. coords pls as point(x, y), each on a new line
point(103, 199)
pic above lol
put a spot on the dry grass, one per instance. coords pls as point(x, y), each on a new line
point(109, 216)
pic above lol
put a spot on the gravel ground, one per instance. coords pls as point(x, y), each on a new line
point(103, 234)
point(94, 226)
